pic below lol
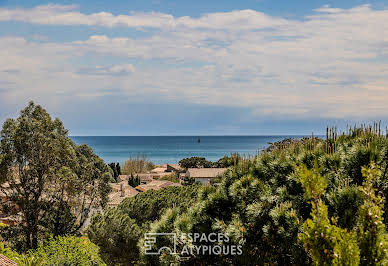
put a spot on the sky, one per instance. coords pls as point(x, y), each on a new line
point(249, 67)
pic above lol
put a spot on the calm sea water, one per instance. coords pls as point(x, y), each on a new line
point(171, 149)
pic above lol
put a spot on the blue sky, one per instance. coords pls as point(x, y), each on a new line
point(253, 67)
point(197, 8)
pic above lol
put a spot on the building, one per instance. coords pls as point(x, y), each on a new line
point(175, 168)
point(204, 175)
point(120, 191)
point(5, 261)
point(159, 170)
point(155, 185)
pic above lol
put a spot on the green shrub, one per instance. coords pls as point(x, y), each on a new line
point(68, 250)
point(326, 243)
point(195, 162)
point(171, 177)
point(138, 164)
point(264, 203)
point(118, 230)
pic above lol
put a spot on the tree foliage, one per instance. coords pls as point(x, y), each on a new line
point(138, 164)
point(118, 230)
point(134, 181)
point(371, 231)
point(195, 162)
point(62, 250)
point(116, 169)
point(327, 243)
point(283, 214)
point(45, 175)
point(310, 201)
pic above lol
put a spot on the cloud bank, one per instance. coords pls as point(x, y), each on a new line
point(332, 64)
point(53, 14)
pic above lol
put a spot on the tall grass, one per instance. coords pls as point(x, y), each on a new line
point(138, 164)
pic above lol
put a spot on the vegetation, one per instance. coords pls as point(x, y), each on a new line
point(69, 250)
point(116, 169)
point(305, 202)
point(228, 161)
point(195, 162)
point(134, 181)
point(174, 177)
point(140, 164)
point(117, 231)
point(66, 250)
point(45, 175)
point(309, 202)
point(200, 162)
point(188, 181)
point(326, 243)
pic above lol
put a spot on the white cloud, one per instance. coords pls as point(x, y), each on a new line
point(330, 64)
point(67, 15)
point(115, 70)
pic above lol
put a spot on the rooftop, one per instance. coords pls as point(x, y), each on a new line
point(5, 261)
point(175, 167)
point(116, 197)
point(205, 172)
point(156, 185)
point(159, 170)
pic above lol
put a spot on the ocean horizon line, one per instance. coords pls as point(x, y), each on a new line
point(267, 135)
point(171, 149)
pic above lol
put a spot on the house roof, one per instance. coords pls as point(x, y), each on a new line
point(156, 185)
point(124, 177)
point(177, 167)
point(159, 170)
point(115, 198)
point(145, 177)
point(5, 261)
point(205, 172)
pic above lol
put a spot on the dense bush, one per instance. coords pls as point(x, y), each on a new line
point(195, 162)
point(118, 230)
point(283, 215)
point(63, 250)
point(69, 250)
point(134, 181)
point(173, 177)
point(116, 170)
point(228, 161)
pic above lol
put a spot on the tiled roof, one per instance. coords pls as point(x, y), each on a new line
point(124, 177)
point(159, 170)
point(115, 198)
point(177, 167)
point(156, 185)
point(205, 172)
point(5, 261)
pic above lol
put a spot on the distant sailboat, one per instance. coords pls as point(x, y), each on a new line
point(199, 140)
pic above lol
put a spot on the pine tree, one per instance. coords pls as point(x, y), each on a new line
point(372, 236)
point(326, 243)
point(118, 169)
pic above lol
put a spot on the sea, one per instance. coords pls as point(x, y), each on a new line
point(171, 149)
